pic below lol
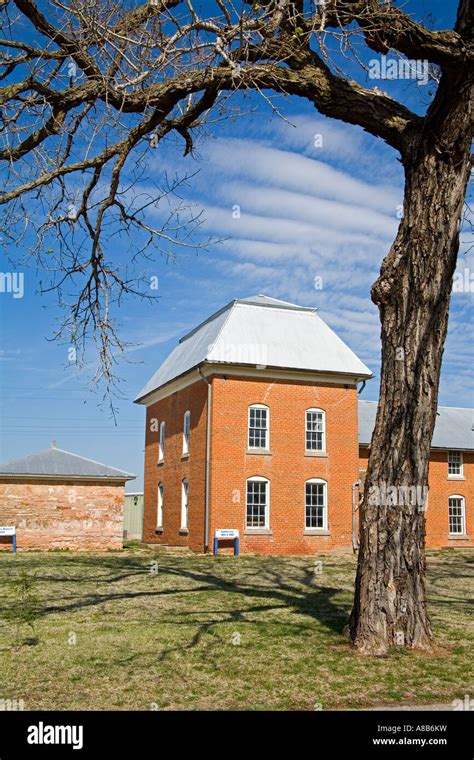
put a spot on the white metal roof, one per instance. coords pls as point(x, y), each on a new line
point(453, 428)
point(263, 332)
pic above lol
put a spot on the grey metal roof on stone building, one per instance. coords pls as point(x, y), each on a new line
point(453, 428)
point(279, 335)
point(57, 463)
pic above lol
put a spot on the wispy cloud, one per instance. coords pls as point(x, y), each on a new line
point(162, 334)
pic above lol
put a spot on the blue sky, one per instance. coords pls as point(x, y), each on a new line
point(324, 208)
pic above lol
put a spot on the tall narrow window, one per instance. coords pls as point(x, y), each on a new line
point(184, 504)
point(457, 515)
point(159, 515)
point(258, 427)
point(315, 430)
point(258, 503)
point(186, 431)
point(161, 444)
point(455, 463)
point(316, 512)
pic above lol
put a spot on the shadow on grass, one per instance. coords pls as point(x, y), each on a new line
point(278, 586)
point(242, 592)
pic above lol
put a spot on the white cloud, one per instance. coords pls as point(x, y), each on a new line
point(292, 171)
point(343, 217)
point(166, 333)
point(339, 141)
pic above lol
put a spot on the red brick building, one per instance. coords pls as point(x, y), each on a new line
point(59, 500)
point(252, 424)
point(449, 508)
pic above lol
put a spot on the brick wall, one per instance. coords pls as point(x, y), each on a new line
point(66, 515)
point(440, 488)
point(175, 468)
point(287, 467)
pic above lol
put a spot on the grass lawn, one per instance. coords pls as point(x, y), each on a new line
point(103, 631)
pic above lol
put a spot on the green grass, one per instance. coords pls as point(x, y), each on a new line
point(203, 633)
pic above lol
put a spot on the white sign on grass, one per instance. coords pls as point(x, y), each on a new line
point(226, 533)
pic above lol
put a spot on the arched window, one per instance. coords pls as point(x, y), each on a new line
point(184, 504)
point(258, 503)
point(316, 504)
point(259, 427)
point(159, 515)
point(186, 432)
point(457, 515)
point(315, 430)
point(161, 444)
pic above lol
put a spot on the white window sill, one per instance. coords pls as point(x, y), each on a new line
point(316, 532)
point(159, 529)
point(264, 452)
point(258, 532)
point(456, 477)
point(184, 456)
point(160, 461)
point(183, 531)
point(322, 454)
point(458, 537)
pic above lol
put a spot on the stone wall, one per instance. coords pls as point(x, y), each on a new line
point(68, 515)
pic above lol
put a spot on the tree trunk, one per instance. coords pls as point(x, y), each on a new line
point(413, 294)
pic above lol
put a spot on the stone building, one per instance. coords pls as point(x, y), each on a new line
point(59, 500)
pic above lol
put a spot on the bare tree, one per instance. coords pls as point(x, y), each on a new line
point(104, 83)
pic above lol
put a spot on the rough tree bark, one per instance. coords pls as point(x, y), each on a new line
point(413, 294)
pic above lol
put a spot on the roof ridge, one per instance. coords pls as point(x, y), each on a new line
point(275, 303)
point(88, 459)
point(206, 321)
point(222, 327)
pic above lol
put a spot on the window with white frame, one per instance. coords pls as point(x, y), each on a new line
point(258, 427)
point(455, 464)
point(316, 511)
point(315, 430)
point(258, 503)
point(159, 515)
point(186, 431)
point(161, 444)
point(184, 504)
point(457, 515)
